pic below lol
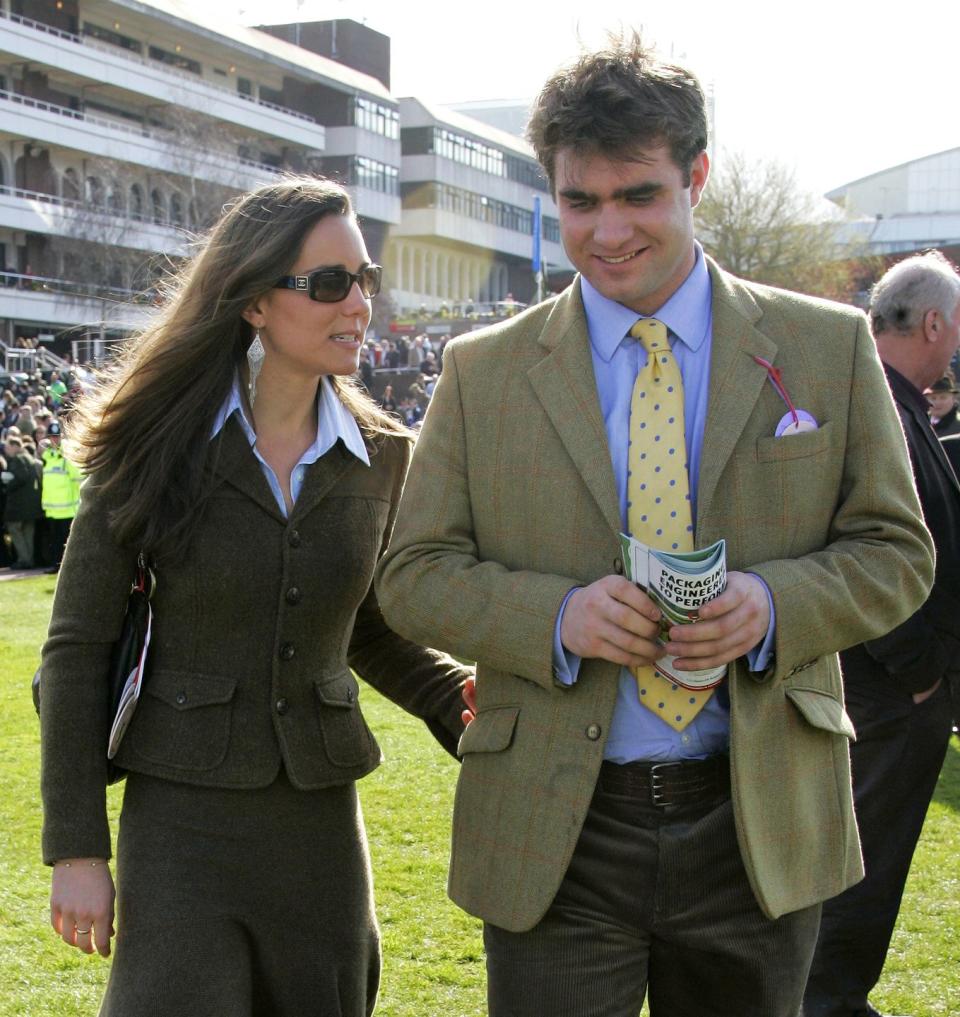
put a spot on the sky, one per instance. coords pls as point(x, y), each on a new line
point(834, 90)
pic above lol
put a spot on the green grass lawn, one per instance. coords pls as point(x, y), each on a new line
point(433, 957)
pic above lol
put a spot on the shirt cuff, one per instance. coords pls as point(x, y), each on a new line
point(566, 665)
point(759, 657)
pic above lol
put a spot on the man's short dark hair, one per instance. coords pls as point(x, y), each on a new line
point(617, 101)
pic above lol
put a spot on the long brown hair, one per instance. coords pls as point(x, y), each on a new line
point(143, 432)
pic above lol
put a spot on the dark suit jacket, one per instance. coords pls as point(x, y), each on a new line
point(255, 635)
point(926, 647)
point(951, 445)
point(23, 492)
point(948, 425)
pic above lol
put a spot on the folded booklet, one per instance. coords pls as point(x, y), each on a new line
point(678, 584)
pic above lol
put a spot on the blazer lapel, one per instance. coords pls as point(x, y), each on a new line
point(565, 385)
point(322, 475)
point(736, 379)
point(234, 462)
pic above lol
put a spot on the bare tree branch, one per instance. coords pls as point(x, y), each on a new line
point(758, 224)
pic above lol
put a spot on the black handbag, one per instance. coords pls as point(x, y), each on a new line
point(128, 659)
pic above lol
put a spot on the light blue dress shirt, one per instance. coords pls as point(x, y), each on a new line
point(637, 733)
point(334, 421)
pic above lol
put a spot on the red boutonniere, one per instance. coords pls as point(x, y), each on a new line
point(776, 379)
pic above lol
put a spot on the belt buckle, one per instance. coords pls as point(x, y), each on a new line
point(658, 774)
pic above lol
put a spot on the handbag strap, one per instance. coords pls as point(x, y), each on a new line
point(145, 579)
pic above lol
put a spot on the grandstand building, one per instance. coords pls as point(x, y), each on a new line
point(125, 125)
point(468, 193)
point(905, 208)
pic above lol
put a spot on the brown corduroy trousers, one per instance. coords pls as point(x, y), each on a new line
point(653, 901)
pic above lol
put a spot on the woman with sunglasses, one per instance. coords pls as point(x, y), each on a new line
point(231, 447)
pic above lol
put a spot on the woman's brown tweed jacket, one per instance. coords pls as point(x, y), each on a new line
point(256, 632)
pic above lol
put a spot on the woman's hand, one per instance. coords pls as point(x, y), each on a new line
point(81, 903)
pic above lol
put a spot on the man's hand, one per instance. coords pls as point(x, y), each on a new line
point(614, 620)
point(81, 904)
point(730, 626)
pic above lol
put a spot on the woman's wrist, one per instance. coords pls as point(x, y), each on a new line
point(71, 863)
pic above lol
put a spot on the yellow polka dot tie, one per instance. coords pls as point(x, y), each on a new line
point(658, 494)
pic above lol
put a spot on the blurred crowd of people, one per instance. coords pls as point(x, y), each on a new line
point(39, 485)
point(422, 354)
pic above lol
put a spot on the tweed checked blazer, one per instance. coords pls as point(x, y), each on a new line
point(510, 501)
point(256, 631)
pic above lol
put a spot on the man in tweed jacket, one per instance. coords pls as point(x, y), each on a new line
point(606, 852)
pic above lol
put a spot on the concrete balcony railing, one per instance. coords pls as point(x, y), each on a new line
point(49, 124)
point(42, 44)
point(48, 214)
point(64, 304)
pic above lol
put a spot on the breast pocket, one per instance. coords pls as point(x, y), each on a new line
point(793, 484)
point(805, 445)
point(183, 720)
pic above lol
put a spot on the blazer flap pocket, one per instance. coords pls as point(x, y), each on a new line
point(795, 446)
point(822, 710)
point(185, 690)
point(341, 691)
point(490, 731)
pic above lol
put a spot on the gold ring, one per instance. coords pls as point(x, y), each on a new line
point(82, 932)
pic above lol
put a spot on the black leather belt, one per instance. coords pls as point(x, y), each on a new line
point(685, 782)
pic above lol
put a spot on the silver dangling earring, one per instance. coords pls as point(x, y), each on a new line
point(255, 356)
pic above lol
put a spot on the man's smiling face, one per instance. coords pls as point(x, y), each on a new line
point(627, 224)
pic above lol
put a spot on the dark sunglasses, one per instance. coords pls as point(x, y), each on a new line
point(328, 285)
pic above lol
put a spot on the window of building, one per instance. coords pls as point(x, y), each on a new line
point(95, 193)
point(526, 172)
point(70, 188)
point(473, 206)
point(372, 116)
point(176, 209)
point(113, 38)
point(178, 60)
point(416, 141)
point(377, 176)
point(136, 201)
point(274, 95)
point(115, 200)
point(469, 152)
point(158, 206)
point(450, 145)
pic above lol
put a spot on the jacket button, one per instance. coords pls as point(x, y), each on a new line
point(293, 538)
point(287, 651)
point(618, 566)
point(181, 698)
point(593, 732)
point(294, 596)
point(282, 706)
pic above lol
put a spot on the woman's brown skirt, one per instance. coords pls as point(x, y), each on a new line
point(242, 903)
